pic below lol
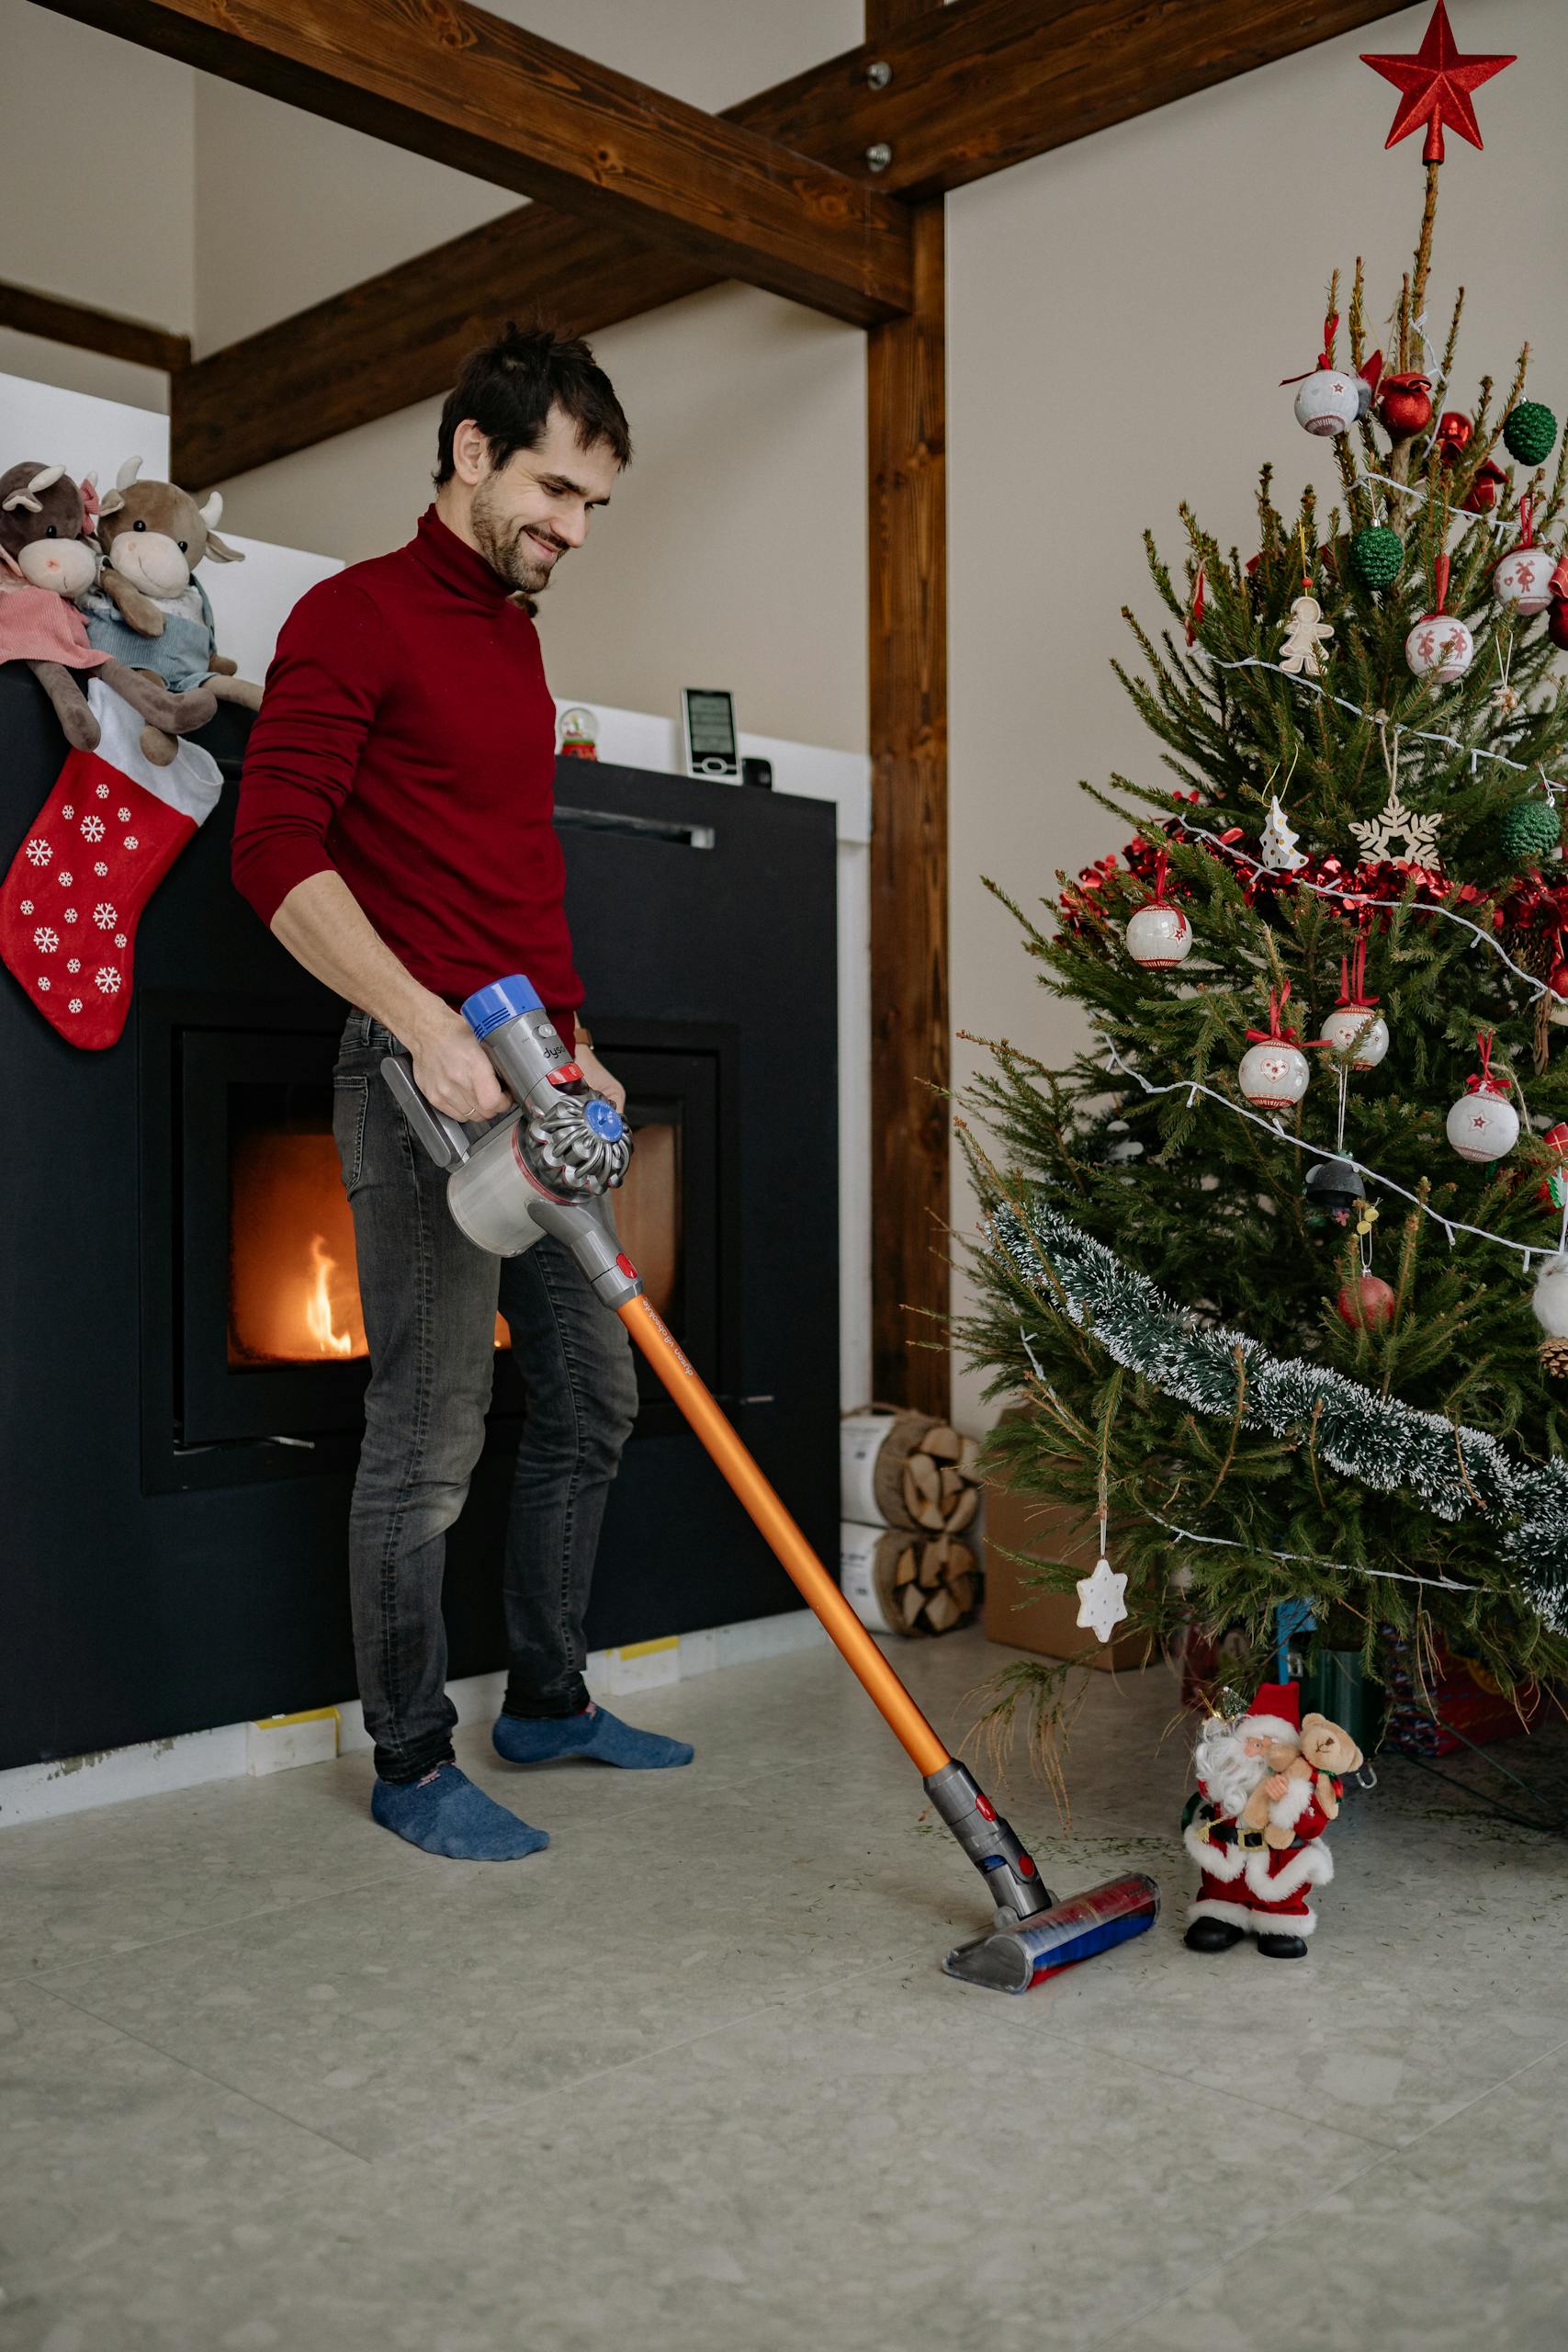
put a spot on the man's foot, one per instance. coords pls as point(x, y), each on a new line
point(595, 1733)
point(444, 1814)
point(1282, 1947)
point(1212, 1935)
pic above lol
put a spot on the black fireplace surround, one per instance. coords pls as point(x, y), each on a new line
point(177, 1492)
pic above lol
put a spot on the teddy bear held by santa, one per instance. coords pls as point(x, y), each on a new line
point(1269, 1782)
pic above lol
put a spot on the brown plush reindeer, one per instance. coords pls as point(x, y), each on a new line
point(45, 561)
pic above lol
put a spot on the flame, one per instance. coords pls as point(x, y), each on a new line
point(319, 1304)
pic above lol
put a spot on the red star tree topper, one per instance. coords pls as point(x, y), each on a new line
point(1435, 87)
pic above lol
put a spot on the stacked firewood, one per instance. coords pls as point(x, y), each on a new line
point(910, 1486)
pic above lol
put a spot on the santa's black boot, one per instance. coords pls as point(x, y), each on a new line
point(1212, 1935)
point(1282, 1947)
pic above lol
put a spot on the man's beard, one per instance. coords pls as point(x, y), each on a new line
point(1226, 1770)
point(506, 547)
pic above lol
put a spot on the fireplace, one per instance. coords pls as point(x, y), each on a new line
point(252, 1261)
point(184, 1394)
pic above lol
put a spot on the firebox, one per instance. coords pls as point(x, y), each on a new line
point(250, 1266)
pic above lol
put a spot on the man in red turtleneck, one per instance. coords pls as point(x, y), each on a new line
point(396, 830)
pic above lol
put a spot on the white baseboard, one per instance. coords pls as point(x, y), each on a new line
point(114, 1775)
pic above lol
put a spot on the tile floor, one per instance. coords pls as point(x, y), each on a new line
point(692, 2081)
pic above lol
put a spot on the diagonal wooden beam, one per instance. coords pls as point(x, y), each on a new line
point(402, 337)
point(85, 329)
point(470, 90)
point(976, 86)
point(1052, 75)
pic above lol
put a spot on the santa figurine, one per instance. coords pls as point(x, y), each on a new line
point(1251, 1886)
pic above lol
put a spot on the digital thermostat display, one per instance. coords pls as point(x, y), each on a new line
point(712, 748)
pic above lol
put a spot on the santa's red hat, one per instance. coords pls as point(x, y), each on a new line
point(1275, 1713)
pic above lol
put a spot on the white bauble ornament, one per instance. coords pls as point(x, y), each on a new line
point(1158, 937)
point(1348, 1023)
point(1523, 580)
point(1273, 1074)
point(1440, 646)
point(1482, 1126)
point(1550, 1297)
point(1328, 402)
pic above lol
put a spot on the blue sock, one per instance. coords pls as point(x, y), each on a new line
point(594, 1734)
point(446, 1814)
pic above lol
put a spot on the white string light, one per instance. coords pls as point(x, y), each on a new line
point(1366, 899)
point(1266, 1551)
point(1416, 734)
point(1451, 1225)
point(1310, 1559)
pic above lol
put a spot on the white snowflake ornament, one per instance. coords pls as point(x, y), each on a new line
point(1394, 823)
point(1101, 1600)
point(1308, 630)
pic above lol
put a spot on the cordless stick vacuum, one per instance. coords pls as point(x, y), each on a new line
point(549, 1166)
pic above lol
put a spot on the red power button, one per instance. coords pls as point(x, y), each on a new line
point(626, 1267)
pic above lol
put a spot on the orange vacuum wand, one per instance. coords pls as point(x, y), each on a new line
point(548, 1168)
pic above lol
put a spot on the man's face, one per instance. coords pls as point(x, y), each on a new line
point(526, 516)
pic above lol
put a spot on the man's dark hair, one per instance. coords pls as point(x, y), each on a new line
point(509, 386)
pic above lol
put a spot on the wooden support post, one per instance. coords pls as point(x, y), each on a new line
point(907, 479)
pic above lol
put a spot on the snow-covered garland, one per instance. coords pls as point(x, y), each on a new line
point(1448, 1469)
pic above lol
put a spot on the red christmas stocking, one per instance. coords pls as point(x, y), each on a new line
point(98, 848)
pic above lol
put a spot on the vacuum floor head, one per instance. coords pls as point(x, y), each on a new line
point(1012, 1960)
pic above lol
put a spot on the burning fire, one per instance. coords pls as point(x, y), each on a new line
point(318, 1302)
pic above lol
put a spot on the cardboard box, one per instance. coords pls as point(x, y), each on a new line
point(1046, 1623)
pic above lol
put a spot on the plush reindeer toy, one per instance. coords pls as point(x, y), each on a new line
point(45, 561)
point(148, 608)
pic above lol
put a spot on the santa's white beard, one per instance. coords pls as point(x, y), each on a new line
point(1225, 1769)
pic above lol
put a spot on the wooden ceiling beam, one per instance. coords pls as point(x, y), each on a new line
point(402, 336)
point(444, 80)
point(85, 329)
point(985, 84)
point(973, 87)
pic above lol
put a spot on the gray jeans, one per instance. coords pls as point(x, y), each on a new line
point(429, 1299)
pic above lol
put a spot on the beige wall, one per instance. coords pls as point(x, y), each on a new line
point(69, 228)
point(734, 550)
point(1121, 315)
point(294, 208)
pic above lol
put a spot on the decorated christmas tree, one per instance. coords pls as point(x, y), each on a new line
point(1270, 1260)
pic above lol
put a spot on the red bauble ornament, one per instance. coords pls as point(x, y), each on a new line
point(1557, 622)
point(1435, 87)
point(1367, 1304)
point(1482, 495)
point(1405, 404)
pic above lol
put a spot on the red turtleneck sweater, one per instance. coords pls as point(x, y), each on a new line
point(407, 741)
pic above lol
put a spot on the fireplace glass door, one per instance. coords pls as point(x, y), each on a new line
point(271, 1335)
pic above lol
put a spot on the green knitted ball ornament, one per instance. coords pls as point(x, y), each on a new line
point(1529, 433)
point(1377, 557)
point(1531, 829)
